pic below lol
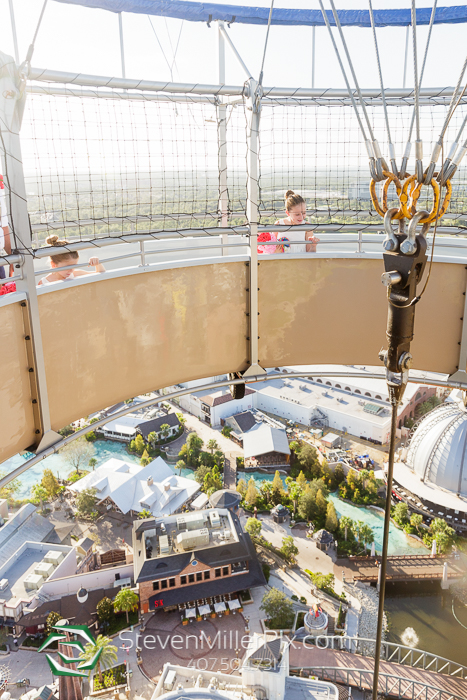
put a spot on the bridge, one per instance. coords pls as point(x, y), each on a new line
point(399, 568)
point(404, 672)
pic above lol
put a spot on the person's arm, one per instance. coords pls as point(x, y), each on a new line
point(311, 246)
point(93, 262)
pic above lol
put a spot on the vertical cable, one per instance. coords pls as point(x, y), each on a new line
point(418, 141)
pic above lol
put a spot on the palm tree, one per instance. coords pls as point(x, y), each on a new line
point(357, 528)
point(366, 533)
point(212, 445)
point(106, 659)
point(152, 438)
point(40, 493)
point(164, 429)
point(346, 523)
point(126, 601)
point(180, 465)
point(93, 463)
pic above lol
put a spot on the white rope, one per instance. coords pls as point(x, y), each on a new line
point(27, 62)
point(368, 144)
point(260, 81)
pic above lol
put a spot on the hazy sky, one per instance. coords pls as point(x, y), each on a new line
point(85, 40)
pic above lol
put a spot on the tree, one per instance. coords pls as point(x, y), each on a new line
point(92, 463)
point(105, 610)
point(331, 518)
point(181, 464)
point(77, 453)
point(416, 520)
point(322, 581)
point(242, 487)
point(50, 483)
point(91, 436)
point(152, 438)
point(295, 446)
point(10, 489)
point(212, 481)
point(67, 430)
point(308, 458)
point(443, 534)
point(251, 495)
point(321, 502)
point(144, 514)
point(201, 472)
point(40, 494)
point(126, 601)
point(86, 501)
point(301, 480)
point(278, 609)
point(193, 447)
point(212, 445)
point(145, 459)
point(401, 512)
point(289, 548)
point(356, 527)
point(165, 429)
point(52, 619)
point(181, 419)
point(366, 534)
point(345, 523)
point(106, 659)
point(137, 445)
point(307, 506)
point(253, 527)
point(339, 475)
point(226, 430)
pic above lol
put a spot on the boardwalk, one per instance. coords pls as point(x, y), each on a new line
point(302, 656)
point(399, 568)
point(230, 471)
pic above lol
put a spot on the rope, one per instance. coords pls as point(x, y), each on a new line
point(160, 46)
point(260, 81)
point(349, 90)
point(384, 555)
point(418, 141)
point(383, 94)
point(27, 61)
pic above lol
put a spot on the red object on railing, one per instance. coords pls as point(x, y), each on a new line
point(8, 288)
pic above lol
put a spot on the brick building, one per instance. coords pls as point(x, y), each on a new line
point(180, 559)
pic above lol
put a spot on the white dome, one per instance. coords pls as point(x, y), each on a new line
point(438, 449)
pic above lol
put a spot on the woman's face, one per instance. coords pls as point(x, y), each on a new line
point(297, 214)
point(63, 274)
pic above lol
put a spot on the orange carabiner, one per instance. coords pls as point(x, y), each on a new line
point(410, 208)
point(383, 207)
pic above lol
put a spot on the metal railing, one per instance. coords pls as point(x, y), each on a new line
point(388, 684)
point(391, 652)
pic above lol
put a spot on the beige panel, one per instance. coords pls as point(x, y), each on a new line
point(120, 337)
point(329, 311)
point(16, 417)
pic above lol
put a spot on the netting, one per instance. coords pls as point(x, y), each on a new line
point(97, 166)
point(318, 151)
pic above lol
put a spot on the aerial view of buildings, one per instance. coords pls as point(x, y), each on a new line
point(233, 370)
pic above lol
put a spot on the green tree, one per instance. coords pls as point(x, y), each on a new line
point(356, 528)
point(67, 430)
point(323, 582)
point(242, 487)
point(92, 463)
point(416, 520)
point(40, 494)
point(321, 502)
point(138, 444)
point(226, 430)
point(331, 518)
point(145, 459)
point(277, 491)
point(165, 429)
point(91, 436)
point(301, 480)
point(289, 548)
point(339, 475)
point(345, 523)
point(193, 447)
point(443, 534)
point(308, 459)
point(52, 619)
point(366, 534)
point(86, 501)
point(307, 506)
point(251, 495)
point(278, 609)
point(77, 453)
point(50, 483)
point(201, 473)
point(212, 481)
point(181, 419)
point(253, 527)
point(105, 610)
point(152, 438)
point(144, 514)
point(126, 601)
point(401, 512)
point(212, 445)
point(181, 464)
point(107, 657)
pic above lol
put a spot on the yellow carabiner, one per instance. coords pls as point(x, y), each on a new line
point(382, 208)
point(410, 209)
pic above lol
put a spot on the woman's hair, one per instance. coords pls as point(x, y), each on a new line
point(292, 200)
point(61, 257)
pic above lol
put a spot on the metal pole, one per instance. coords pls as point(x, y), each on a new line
point(406, 54)
point(122, 48)
point(229, 41)
point(313, 47)
point(12, 168)
point(13, 31)
point(222, 138)
point(252, 212)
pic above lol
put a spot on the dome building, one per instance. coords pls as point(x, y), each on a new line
point(434, 465)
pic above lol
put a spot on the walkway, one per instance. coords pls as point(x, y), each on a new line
point(400, 568)
point(230, 472)
point(302, 656)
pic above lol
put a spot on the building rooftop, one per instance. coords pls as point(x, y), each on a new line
point(245, 420)
point(215, 398)
point(264, 439)
point(131, 487)
point(155, 424)
point(225, 498)
point(24, 526)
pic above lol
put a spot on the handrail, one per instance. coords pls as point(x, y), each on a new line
point(389, 685)
point(364, 646)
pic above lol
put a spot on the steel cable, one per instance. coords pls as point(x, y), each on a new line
point(418, 141)
point(392, 155)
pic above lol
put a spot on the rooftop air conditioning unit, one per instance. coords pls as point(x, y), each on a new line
point(149, 481)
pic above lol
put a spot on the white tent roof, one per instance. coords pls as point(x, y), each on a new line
point(263, 439)
point(126, 484)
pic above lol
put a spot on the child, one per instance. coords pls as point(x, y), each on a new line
point(295, 208)
point(64, 260)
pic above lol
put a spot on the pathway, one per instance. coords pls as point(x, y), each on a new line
point(400, 568)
